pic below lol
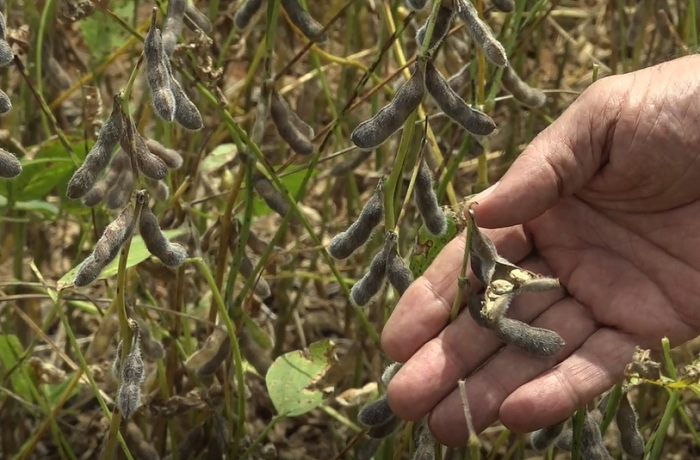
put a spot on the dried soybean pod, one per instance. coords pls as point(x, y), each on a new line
point(198, 18)
point(282, 116)
point(504, 5)
point(397, 272)
point(376, 413)
point(303, 127)
point(97, 159)
point(120, 162)
point(3, 27)
point(261, 288)
point(172, 28)
point(534, 340)
point(306, 24)
point(592, 447)
point(416, 5)
point(369, 285)
point(9, 165)
point(152, 349)
point(482, 252)
point(459, 79)
point(564, 441)
point(520, 90)
point(470, 119)
point(481, 33)
point(427, 202)
point(157, 74)
point(246, 12)
point(132, 376)
point(390, 371)
point(272, 197)
point(149, 164)
point(116, 366)
point(118, 195)
point(171, 158)
point(192, 445)
point(345, 243)
point(6, 54)
point(350, 164)
point(542, 439)
point(373, 132)
point(425, 447)
point(159, 189)
point(139, 447)
point(385, 429)
point(5, 103)
point(186, 113)
point(443, 22)
point(631, 440)
point(171, 254)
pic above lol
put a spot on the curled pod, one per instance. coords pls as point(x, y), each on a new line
point(119, 194)
point(416, 5)
point(284, 119)
point(427, 202)
point(542, 439)
point(119, 164)
point(443, 22)
point(157, 74)
point(306, 24)
point(171, 158)
point(345, 243)
point(97, 159)
point(376, 413)
point(520, 90)
point(372, 133)
point(171, 254)
point(369, 285)
point(472, 120)
point(351, 164)
point(198, 18)
point(505, 6)
point(5, 103)
point(631, 439)
point(397, 272)
point(9, 165)
point(246, 12)
point(481, 33)
point(172, 27)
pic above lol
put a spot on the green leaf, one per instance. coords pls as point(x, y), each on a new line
point(292, 182)
point(137, 254)
point(102, 34)
point(54, 391)
point(39, 206)
point(218, 157)
point(257, 334)
point(292, 377)
point(10, 351)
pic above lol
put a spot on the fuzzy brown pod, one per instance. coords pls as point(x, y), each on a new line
point(212, 354)
point(372, 133)
point(97, 159)
point(186, 113)
point(443, 22)
point(592, 447)
point(542, 439)
point(10, 166)
point(306, 24)
point(505, 6)
point(481, 33)
point(120, 163)
point(376, 413)
point(139, 447)
point(351, 164)
point(171, 254)
point(521, 91)
point(292, 129)
point(152, 349)
point(261, 288)
point(132, 377)
point(119, 195)
point(631, 439)
point(133, 143)
point(111, 241)
point(344, 244)
point(272, 197)
point(171, 158)
point(172, 27)
point(470, 119)
point(246, 12)
point(371, 283)
point(425, 445)
point(198, 18)
point(427, 202)
point(397, 272)
point(385, 429)
point(157, 74)
point(416, 5)
point(6, 54)
point(5, 103)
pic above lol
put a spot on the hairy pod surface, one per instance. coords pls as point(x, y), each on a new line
point(397, 272)
point(159, 189)
point(376, 413)
point(369, 285)
point(261, 288)
point(374, 132)
point(534, 340)
point(119, 194)
point(481, 33)
point(631, 439)
point(171, 254)
point(385, 429)
point(390, 371)
point(306, 24)
point(171, 158)
point(458, 80)
point(157, 74)
point(351, 164)
point(10, 166)
point(186, 113)
point(592, 447)
point(542, 439)
point(97, 159)
point(345, 243)
point(284, 119)
point(427, 202)
point(5, 103)
point(6, 54)
point(506, 6)
point(149, 164)
point(482, 252)
point(272, 197)
point(425, 446)
point(443, 22)
point(520, 90)
point(172, 28)
point(120, 163)
point(198, 18)
point(128, 400)
point(246, 12)
point(470, 119)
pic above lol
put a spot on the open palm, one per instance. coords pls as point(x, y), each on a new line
point(606, 199)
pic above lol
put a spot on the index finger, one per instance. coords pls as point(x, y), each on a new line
point(424, 309)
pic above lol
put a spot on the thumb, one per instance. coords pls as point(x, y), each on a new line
point(556, 164)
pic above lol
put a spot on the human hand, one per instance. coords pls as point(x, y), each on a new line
point(606, 199)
